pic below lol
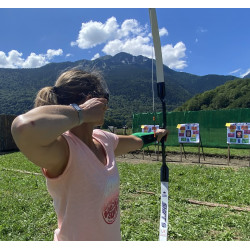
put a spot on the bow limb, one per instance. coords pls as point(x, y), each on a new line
point(157, 45)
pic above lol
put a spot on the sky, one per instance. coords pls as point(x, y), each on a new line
point(195, 39)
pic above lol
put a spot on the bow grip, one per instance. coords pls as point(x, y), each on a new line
point(161, 90)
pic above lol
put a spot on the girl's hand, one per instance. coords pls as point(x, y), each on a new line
point(94, 110)
point(160, 133)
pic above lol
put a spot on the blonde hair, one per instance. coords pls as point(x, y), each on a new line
point(72, 86)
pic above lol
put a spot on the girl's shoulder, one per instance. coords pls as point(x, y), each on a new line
point(106, 137)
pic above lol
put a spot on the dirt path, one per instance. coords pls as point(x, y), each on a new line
point(175, 158)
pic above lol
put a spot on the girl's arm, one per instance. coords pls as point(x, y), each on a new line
point(131, 143)
point(38, 132)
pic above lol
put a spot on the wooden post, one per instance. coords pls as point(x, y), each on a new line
point(203, 152)
point(249, 162)
point(199, 156)
point(6, 140)
point(125, 130)
point(202, 148)
point(181, 150)
point(228, 154)
point(157, 151)
point(184, 151)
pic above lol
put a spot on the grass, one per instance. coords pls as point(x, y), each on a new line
point(26, 210)
point(223, 152)
point(186, 221)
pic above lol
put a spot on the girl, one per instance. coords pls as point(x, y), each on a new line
point(78, 161)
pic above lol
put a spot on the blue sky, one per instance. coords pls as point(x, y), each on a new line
point(199, 41)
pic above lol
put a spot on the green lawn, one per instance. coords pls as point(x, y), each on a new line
point(26, 210)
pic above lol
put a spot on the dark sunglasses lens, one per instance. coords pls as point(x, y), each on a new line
point(106, 96)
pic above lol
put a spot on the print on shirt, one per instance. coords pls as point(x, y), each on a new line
point(111, 204)
point(110, 210)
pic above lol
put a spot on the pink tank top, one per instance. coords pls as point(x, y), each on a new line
point(86, 194)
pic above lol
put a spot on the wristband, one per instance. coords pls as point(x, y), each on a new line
point(147, 138)
point(79, 112)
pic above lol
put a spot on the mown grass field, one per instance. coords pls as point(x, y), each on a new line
point(26, 209)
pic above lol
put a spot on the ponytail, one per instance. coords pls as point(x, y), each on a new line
point(46, 96)
point(72, 86)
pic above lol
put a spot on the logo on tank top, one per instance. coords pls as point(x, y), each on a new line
point(110, 210)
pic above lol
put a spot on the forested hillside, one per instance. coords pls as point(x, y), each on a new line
point(128, 78)
point(233, 94)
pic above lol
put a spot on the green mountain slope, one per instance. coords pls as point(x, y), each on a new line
point(128, 78)
point(233, 94)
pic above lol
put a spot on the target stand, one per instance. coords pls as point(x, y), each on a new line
point(189, 134)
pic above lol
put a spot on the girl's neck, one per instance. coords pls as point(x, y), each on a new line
point(84, 132)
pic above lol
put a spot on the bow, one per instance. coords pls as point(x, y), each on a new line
point(161, 94)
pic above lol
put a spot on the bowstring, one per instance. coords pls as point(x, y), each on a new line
point(153, 79)
point(153, 94)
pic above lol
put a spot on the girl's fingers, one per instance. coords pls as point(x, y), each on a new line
point(161, 133)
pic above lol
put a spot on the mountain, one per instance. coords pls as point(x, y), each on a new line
point(247, 76)
point(128, 78)
point(232, 94)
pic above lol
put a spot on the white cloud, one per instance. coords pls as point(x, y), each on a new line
point(94, 33)
point(68, 55)
point(15, 59)
point(234, 71)
point(52, 53)
point(34, 61)
point(130, 26)
point(201, 30)
point(12, 60)
point(163, 32)
point(172, 55)
point(97, 55)
point(130, 37)
point(246, 73)
point(135, 46)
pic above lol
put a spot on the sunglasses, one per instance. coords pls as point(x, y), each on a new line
point(106, 96)
point(101, 95)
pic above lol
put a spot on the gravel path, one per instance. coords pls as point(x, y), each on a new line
point(175, 158)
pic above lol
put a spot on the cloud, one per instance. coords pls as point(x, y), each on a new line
point(52, 53)
point(234, 71)
point(172, 55)
point(130, 37)
point(130, 27)
point(135, 46)
point(94, 33)
point(163, 32)
point(34, 61)
point(246, 73)
point(97, 55)
point(15, 59)
point(201, 30)
point(69, 54)
point(199, 34)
